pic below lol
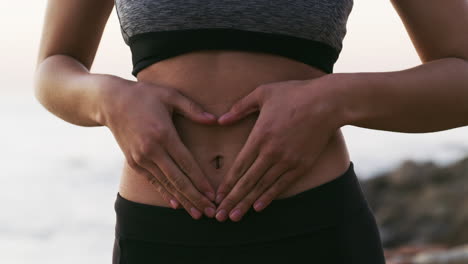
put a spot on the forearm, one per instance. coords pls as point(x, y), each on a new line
point(427, 98)
point(69, 91)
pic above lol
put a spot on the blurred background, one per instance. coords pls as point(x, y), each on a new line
point(59, 181)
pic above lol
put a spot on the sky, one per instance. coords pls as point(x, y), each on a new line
point(376, 41)
point(58, 181)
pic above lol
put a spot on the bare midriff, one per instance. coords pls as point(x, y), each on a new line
point(216, 79)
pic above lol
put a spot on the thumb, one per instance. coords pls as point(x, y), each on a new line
point(190, 109)
point(245, 106)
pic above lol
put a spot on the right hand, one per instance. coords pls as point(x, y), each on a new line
point(139, 115)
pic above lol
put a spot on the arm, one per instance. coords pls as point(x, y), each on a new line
point(138, 114)
point(430, 97)
point(63, 84)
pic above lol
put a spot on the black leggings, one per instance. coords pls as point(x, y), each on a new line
point(329, 224)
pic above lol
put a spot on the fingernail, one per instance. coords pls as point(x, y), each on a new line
point(221, 215)
point(174, 203)
point(210, 195)
point(219, 198)
point(225, 116)
point(210, 116)
point(236, 215)
point(195, 213)
point(210, 211)
point(258, 206)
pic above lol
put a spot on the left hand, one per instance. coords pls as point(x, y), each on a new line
point(296, 120)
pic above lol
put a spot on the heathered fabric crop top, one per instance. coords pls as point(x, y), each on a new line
point(309, 31)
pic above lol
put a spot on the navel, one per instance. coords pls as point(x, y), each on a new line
point(218, 161)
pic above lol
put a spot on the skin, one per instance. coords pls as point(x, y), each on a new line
point(427, 98)
point(286, 115)
point(240, 74)
point(158, 151)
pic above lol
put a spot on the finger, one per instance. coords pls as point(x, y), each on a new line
point(243, 161)
point(277, 187)
point(167, 196)
point(184, 159)
point(182, 183)
point(166, 183)
point(189, 108)
point(243, 107)
point(242, 187)
point(266, 181)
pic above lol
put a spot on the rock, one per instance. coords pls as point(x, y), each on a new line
point(457, 255)
point(405, 254)
point(421, 203)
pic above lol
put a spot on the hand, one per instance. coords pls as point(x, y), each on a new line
point(140, 117)
point(296, 120)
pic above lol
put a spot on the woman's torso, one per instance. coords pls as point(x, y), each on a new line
point(216, 79)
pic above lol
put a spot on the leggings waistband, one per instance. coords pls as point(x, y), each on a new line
point(320, 207)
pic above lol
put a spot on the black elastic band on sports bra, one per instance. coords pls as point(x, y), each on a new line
point(148, 48)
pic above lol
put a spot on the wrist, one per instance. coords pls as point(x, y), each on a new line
point(107, 89)
point(339, 92)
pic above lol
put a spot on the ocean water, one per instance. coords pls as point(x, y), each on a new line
point(58, 181)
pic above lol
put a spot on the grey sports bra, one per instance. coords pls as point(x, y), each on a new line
point(309, 31)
